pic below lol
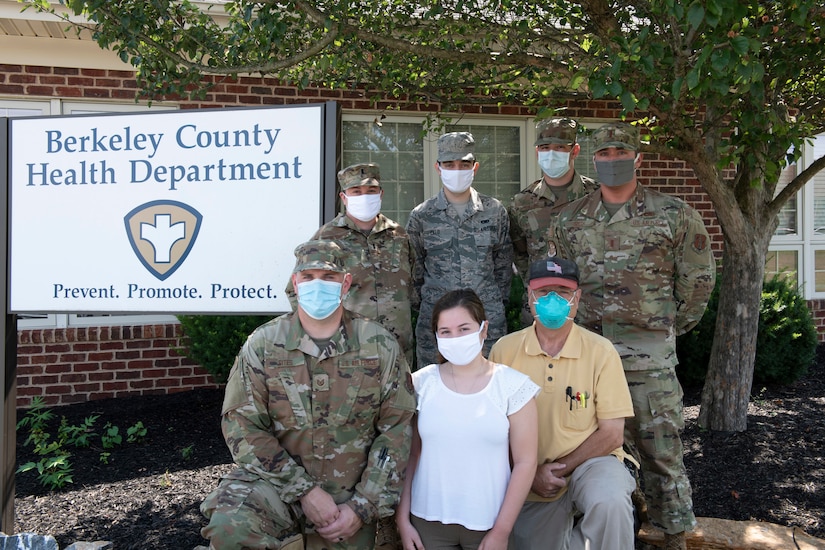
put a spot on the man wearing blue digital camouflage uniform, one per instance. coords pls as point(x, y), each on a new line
point(460, 239)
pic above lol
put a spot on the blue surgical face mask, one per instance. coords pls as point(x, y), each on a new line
point(553, 311)
point(319, 298)
point(613, 173)
point(554, 164)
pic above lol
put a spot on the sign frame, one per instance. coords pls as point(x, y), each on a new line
point(264, 295)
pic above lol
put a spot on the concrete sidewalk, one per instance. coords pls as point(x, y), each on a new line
point(724, 534)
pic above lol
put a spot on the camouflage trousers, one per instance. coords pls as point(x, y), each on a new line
point(250, 515)
point(653, 435)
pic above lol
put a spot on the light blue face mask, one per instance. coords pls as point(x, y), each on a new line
point(614, 173)
point(554, 164)
point(319, 298)
point(552, 310)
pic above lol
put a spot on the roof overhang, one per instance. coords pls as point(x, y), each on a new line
point(29, 37)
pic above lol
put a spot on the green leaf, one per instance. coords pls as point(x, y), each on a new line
point(692, 79)
point(696, 13)
point(628, 101)
point(740, 45)
point(676, 87)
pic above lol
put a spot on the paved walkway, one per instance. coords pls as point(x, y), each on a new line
point(725, 534)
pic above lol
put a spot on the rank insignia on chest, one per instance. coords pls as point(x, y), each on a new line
point(320, 382)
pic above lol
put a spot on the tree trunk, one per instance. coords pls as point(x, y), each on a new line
point(729, 379)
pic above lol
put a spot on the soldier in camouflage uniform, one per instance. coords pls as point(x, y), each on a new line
point(647, 271)
point(317, 417)
point(378, 255)
point(535, 207)
point(460, 239)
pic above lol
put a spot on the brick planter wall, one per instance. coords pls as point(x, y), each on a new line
point(71, 365)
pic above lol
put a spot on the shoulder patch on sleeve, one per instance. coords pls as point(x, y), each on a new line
point(700, 243)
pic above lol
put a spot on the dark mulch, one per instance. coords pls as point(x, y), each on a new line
point(148, 495)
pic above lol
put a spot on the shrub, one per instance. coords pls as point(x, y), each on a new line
point(785, 344)
point(213, 341)
point(514, 304)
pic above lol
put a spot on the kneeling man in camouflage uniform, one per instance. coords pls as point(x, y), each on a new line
point(317, 417)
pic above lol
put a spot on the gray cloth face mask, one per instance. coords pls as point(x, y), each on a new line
point(614, 173)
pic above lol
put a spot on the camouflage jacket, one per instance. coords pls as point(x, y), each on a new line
point(646, 273)
point(381, 266)
point(469, 250)
point(338, 418)
point(531, 217)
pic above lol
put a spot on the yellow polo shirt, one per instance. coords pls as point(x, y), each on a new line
point(589, 366)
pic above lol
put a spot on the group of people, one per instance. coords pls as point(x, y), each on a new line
point(534, 439)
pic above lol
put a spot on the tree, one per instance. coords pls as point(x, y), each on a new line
point(731, 88)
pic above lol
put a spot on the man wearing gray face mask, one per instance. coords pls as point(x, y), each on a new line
point(647, 271)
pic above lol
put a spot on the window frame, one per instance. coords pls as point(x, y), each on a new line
point(805, 242)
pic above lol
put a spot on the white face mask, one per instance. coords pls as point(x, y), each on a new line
point(554, 164)
point(364, 207)
point(462, 349)
point(457, 181)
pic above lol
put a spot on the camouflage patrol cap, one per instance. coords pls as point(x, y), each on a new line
point(559, 130)
point(359, 174)
point(553, 271)
point(456, 146)
point(327, 255)
point(616, 134)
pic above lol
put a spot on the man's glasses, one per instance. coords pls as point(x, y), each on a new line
point(566, 293)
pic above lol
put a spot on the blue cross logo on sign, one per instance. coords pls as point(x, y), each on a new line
point(162, 234)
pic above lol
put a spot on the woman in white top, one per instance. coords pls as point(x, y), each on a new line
point(474, 444)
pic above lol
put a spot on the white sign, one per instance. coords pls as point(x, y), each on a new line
point(184, 212)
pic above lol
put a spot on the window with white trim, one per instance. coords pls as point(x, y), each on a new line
point(797, 249)
point(406, 156)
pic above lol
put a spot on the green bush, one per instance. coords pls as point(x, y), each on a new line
point(785, 344)
point(213, 341)
point(514, 304)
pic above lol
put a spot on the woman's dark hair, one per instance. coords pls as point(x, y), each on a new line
point(465, 298)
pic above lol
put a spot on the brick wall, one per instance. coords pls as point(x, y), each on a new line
point(818, 311)
point(77, 364)
point(71, 365)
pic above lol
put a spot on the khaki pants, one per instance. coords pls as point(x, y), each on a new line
point(599, 489)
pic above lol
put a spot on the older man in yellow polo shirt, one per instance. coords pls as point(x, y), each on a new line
point(582, 407)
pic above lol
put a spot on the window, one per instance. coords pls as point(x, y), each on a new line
point(798, 246)
point(784, 263)
point(398, 149)
point(498, 151)
point(406, 156)
point(788, 218)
